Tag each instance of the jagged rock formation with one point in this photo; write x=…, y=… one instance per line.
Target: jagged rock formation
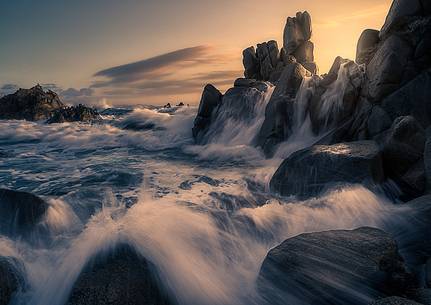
x=12, y=279
x=120, y=277
x=78, y=113
x=267, y=61
x=29, y=104
x=334, y=267
x=307, y=172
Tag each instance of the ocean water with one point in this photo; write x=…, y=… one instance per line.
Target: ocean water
x=202, y=214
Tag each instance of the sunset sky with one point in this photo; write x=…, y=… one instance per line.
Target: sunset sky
x=157, y=51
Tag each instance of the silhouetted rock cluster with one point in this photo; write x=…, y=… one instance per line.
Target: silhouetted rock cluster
x=79, y=113
x=35, y=105
x=29, y=104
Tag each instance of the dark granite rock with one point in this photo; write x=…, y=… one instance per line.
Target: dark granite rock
x=210, y=100
x=367, y=46
x=394, y=301
x=78, y=113
x=334, y=267
x=120, y=277
x=20, y=212
x=29, y=104
x=12, y=279
x=308, y=172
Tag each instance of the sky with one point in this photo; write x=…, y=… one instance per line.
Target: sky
x=111, y=52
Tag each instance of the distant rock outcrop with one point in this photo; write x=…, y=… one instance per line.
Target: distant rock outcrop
x=29, y=104
x=334, y=267
x=78, y=113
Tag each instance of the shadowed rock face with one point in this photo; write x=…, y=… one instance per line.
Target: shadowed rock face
x=394, y=301
x=20, y=212
x=78, y=113
x=335, y=267
x=121, y=277
x=367, y=46
x=11, y=279
x=308, y=172
x=29, y=104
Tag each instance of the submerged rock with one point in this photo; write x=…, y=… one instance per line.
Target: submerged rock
x=29, y=104
x=20, y=212
x=120, y=277
x=334, y=267
x=12, y=279
x=308, y=172
x=78, y=113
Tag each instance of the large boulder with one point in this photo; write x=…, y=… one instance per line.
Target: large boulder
x=251, y=63
x=395, y=301
x=29, y=104
x=308, y=172
x=20, y=212
x=367, y=46
x=403, y=153
x=412, y=99
x=401, y=13
x=120, y=277
x=264, y=63
x=334, y=267
x=210, y=100
x=78, y=113
x=386, y=69
x=12, y=279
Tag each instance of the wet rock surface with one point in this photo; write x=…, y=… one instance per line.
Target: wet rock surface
x=79, y=113
x=20, y=212
x=308, y=172
x=334, y=267
x=12, y=279
x=120, y=277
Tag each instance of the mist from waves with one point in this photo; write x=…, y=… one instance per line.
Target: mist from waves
x=204, y=253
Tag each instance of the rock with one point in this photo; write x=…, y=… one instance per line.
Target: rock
x=78, y=113
x=20, y=212
x=12, y=278
x=308, y=172
x=428, y=273
x=367, y=46
x=422, y=296
x=305, y=52
x=402, y=154
x=386, y=70
x=284, y=94
x=399, y=14
x=311, y=67
x=427, y=161
x=412, y=99
x=121, y=277
x=297, y=30
x=394, y=301
x=210, y=100
x=29, y=104
x=332, y=75
x=331, y=106
x=181, y=104
x=378, y=121
x=334, y=267
x=251, y=63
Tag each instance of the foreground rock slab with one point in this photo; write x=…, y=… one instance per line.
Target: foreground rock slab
x=334, y=267
x=308, y=172
x=394, y=301
x=122, y=277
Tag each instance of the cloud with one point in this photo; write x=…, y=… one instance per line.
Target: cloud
x=8, y=89
x=180, y=72
x=74, y=93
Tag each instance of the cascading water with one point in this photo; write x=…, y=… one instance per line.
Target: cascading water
x=206, y=226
